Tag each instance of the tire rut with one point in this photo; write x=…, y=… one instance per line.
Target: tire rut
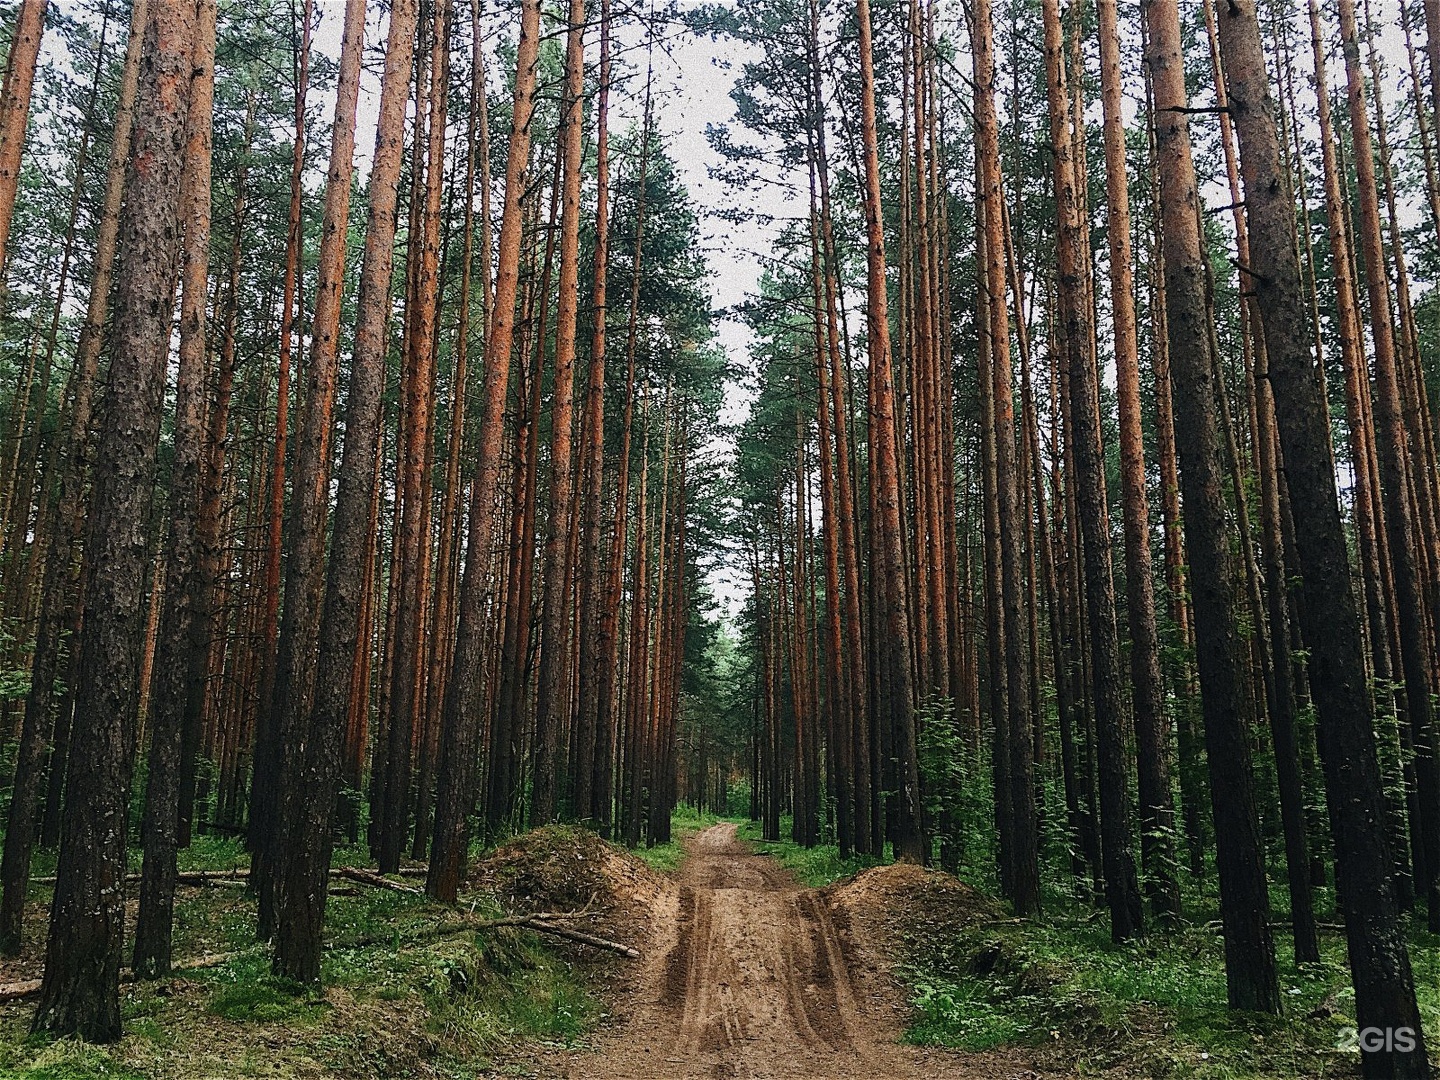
x=751, y=978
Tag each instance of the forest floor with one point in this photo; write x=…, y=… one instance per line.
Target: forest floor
x=783, y=963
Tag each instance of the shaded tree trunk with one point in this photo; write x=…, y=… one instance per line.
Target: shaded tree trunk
x=309, y=773
x=1384, y=987
x=80, y=993
x=183, y=651
x=59, y=599
x=1249, y=949
x=463, y=697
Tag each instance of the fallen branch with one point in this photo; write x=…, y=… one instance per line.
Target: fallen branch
x=545, y=922
x=15, y=991
x=367, y=877
x=241, y=874
x=584, y=938
x=185, y=877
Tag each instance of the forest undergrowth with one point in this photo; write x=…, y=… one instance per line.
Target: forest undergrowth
x=1088, y=1006
x=404, y=1000
x=400, y=999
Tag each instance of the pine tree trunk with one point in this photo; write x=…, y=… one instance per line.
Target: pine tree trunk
x=309, y=776
x=59, y=599
x=1384, y=987
x=267, y=751
x=1249, y=949
x=178, y=694
x=417, y=384
x=889, y=559
x=554, y=676
x=80, y=993
x=15, y=112
x=1151, y=724
x=1023, y=862
x=463, y=697
x=1396, y=483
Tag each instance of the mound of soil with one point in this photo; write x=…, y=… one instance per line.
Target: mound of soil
x=565, y=868
x=905, y=903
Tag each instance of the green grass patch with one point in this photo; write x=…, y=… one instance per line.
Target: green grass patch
x=486, y=991
x=68, y=1059
x=684, y=823
x=398, y=999
x=1160, y=1002
x=814, y=867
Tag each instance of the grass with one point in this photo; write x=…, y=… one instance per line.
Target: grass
x=814, y=867
x=685, y=822
x=398, y=1001
x=1159, y=1004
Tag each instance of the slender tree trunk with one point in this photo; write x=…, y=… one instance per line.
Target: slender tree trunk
x=178, y=695
x=1023, y=862
x=590, y=720
x=463, y=699
x=265, y=768
x=1249, y=949
x=1121, y=888
x=889, y=560
x=550, y=708
x=15, y=111
x=417, y=383
x=1151, y=725
x=1396, y=481
x=310, y=773
x=297, y=668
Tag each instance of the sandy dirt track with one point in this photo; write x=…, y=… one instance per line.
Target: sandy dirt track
x=749, y=975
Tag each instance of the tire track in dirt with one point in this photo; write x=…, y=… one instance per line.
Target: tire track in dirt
x=749, y=976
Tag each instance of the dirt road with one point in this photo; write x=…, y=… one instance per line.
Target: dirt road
x=748, y=975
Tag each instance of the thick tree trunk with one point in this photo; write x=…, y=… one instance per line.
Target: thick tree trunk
x=1384, y=987
x=80, y=993
x=59, y=602
x=179, y=691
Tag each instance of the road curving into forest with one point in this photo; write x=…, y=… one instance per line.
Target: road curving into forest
x=751, y=975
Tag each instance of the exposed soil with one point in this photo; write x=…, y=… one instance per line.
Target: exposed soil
x=747, y=974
